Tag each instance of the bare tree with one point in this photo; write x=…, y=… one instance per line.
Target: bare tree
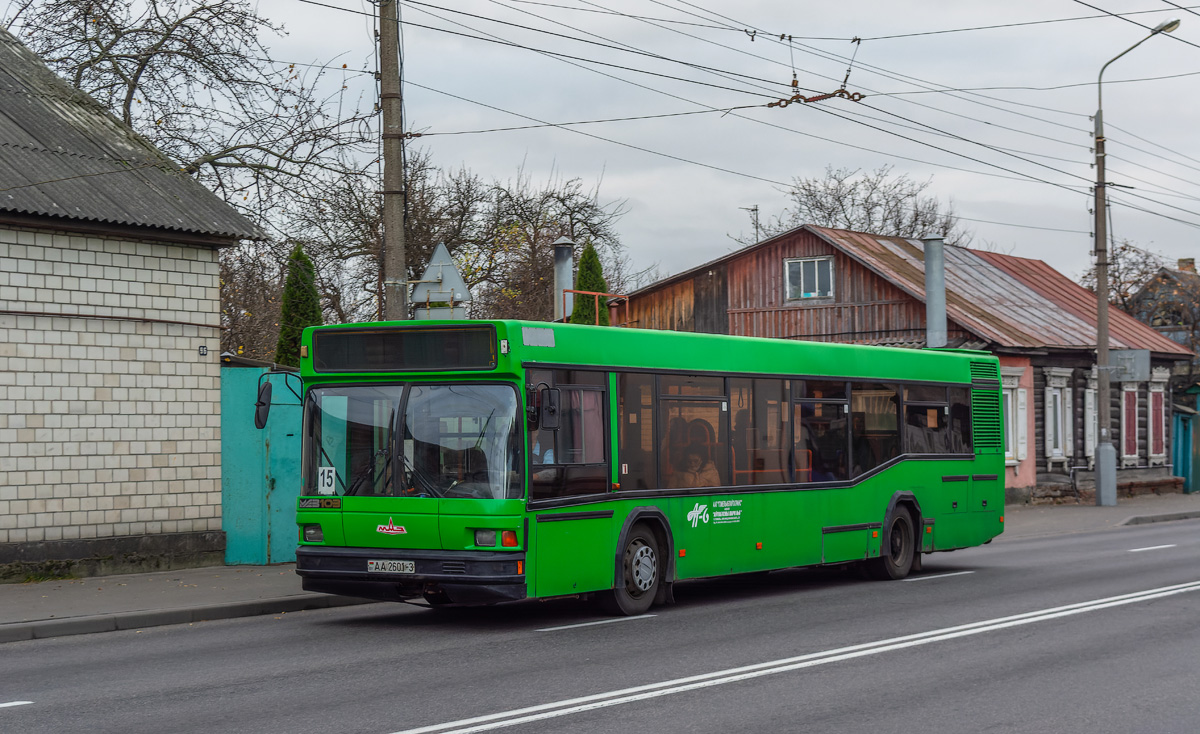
x=514, y=268
x=196, y=79
x=877, y=202
x=500, y=235
x=1129, y=268
x=251, y=293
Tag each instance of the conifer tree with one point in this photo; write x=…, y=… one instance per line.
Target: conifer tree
x=590, y=278
x=301, y=307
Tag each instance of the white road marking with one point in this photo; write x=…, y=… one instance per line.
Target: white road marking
x=592, y=624
x=1153, y=547
x=15, y=703
x=758, y=670
x=938, y=576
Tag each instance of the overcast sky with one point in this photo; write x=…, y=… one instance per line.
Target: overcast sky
x=1015, y=150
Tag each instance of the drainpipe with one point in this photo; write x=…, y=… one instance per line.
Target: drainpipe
x=935, y=292
x=564, y=255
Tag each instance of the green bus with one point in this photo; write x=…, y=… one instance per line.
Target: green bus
x=474, y=462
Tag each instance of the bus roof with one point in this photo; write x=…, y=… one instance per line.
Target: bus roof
x=528, y=343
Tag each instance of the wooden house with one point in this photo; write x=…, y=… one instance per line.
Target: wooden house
x=827, y=284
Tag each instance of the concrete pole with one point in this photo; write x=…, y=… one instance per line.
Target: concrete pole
x=935, y=292
x=1106, y=453
x=394, y=263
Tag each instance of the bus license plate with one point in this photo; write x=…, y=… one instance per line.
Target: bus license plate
x=391, y=567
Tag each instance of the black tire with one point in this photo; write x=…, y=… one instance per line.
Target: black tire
x=896, y=558
x=639, y=573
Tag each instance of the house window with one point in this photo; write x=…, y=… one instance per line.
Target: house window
x=1054, y=423
x=1015, y=419
x=1157, y=418
x=1129, y=424
x=1059, y=415
x=810, y=277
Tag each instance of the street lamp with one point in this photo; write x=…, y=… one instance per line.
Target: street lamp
x=1106, y=453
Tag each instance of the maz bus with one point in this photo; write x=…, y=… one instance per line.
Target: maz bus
x=486, y=461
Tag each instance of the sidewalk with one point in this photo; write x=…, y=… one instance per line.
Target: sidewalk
x=134, y=601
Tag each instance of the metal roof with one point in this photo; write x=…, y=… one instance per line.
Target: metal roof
x=63, y=155
x=1007, y=301
x=1013, y=301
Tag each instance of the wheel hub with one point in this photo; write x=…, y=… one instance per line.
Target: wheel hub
x=641, y=567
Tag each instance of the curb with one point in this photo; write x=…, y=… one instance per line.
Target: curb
x=44, y=628
x=1166, y=517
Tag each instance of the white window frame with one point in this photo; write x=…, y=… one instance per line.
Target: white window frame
x=1060, y=443
x=1015, y=416
x=1158, y=429
x=1129, y=394
x=787, y=281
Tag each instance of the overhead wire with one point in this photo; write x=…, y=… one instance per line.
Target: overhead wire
x=1019, y=175
x=762, y=122
x=1139, y=25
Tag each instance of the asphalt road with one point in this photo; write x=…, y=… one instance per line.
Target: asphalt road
x=1085, y=633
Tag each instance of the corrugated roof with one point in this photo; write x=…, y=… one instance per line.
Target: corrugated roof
x=1012, y=301
x=63, y=155
x=1008, y=301
x=1125, y=332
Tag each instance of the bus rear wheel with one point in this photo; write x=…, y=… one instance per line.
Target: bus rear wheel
x=639, y=572
x=895, y=560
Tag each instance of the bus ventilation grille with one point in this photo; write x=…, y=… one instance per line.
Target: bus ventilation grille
x=988, y=421
x=984, y=372
x=454, y=567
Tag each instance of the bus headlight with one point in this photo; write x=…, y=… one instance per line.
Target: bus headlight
x=313, y=534
x=485, y=538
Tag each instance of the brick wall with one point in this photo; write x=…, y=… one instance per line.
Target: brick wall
x=109, y=427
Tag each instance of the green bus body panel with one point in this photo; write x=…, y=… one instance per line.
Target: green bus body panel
x=712, y=534
x=416, y=516
x=574, y=556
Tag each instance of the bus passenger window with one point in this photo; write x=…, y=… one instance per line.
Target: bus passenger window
x=635, y=452
x=573, y=459
x=960, y=421
x=925, y=430
x=758, y=438
x=693, y=453
x=874, y=426
x=819, y=454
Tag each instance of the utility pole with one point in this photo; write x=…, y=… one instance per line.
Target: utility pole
x=394, y=265
x=1106, y=453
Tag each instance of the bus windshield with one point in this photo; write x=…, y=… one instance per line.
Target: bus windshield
x=455, y=440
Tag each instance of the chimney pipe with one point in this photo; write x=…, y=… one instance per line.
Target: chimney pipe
x=564, y=277
x=1187, y=264
x=935, y=292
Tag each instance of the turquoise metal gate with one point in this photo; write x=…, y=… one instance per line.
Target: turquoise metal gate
x=260, y=470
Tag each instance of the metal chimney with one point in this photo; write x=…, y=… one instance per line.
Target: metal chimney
x=935, y=292
x=564, y=277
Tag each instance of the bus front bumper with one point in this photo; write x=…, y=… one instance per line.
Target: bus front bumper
x=462, y=577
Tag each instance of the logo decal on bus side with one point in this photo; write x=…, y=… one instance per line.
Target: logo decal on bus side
x=391, y=529
x=320, y=503
x=698, y=513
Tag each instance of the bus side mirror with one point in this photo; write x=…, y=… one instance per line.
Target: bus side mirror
x=548, y=411
x=262, y=407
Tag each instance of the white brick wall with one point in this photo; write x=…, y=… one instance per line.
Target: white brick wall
x=108, y=427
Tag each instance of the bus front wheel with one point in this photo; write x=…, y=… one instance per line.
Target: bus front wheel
x=639, y=572
x=896, y=559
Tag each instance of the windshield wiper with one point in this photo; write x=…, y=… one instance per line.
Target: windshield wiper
x=368, y=470
x=427, y=485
